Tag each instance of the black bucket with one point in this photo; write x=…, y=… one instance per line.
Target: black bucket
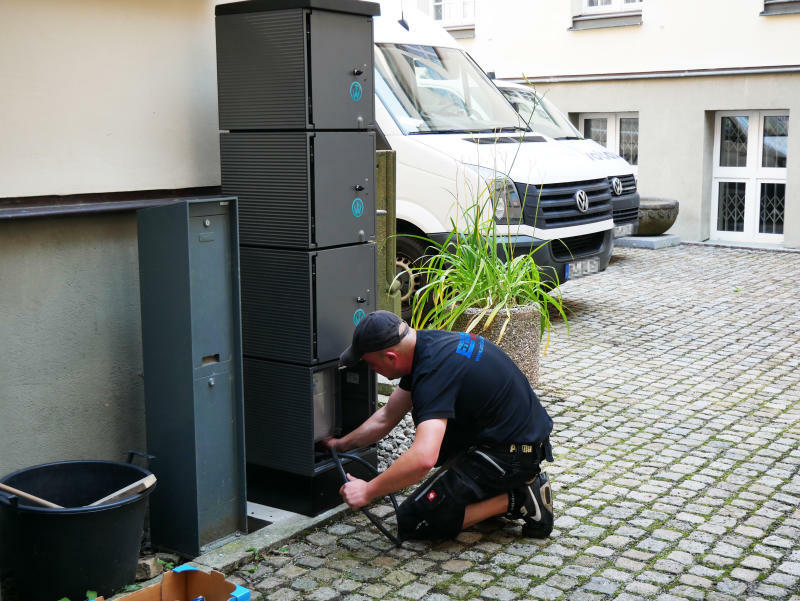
x=55, y=553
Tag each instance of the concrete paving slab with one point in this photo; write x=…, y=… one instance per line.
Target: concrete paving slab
x=651, y=242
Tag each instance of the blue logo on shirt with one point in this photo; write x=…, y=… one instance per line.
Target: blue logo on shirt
x=467, y=344
x=356, y=91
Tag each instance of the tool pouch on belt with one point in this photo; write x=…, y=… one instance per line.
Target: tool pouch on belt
x=436, y=508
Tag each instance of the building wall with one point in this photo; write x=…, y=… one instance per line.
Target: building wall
x=98, y=97
x=107, y=96
x=642, y=68
x=676, y=134
x=516, y=37
x=70, y=382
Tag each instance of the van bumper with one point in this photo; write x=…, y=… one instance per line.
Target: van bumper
x=561, y=259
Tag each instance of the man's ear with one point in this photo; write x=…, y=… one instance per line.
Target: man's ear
x=393, y=356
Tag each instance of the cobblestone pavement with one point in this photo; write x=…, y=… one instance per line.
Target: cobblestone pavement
x=676, y=402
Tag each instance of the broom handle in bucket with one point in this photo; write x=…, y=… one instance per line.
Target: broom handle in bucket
x=127, y=491
x=28, y=496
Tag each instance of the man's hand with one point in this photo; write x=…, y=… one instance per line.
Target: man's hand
x=332, y=443
x=355, y=492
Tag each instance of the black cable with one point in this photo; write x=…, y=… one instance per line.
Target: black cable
x=371, y=468
x=397, y=542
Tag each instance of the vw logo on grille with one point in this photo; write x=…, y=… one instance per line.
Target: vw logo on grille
x=616, y=184
x=582, y=200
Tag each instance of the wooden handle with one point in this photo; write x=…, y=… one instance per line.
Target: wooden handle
x=127, y=491
x=29, y=496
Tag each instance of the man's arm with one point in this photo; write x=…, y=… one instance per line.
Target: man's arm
x=411, y=467
x=378, y=425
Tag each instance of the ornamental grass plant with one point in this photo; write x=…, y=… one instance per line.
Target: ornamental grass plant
x=476, y=268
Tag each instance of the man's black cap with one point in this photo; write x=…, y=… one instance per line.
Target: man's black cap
x=377, y=331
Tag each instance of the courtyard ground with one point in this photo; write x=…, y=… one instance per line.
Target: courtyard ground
x=676, y=401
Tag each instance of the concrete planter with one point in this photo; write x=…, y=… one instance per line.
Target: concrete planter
x=656, y=215
x=520, y=341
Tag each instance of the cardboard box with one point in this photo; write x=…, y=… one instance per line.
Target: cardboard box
x=186, y=582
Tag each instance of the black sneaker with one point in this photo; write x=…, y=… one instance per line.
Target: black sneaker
x=536, y=507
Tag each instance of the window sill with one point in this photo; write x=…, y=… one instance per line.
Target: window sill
x=603, y=20
x=461, y=32
x=782, y=7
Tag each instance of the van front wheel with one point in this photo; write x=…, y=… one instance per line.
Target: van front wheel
x=409, y=254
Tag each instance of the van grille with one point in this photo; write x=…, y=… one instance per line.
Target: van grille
x=577, y=246
x=554, y=205
x=626, y=215
x=628, y=183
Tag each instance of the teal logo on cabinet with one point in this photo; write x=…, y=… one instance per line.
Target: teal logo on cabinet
x=356, y=91
x=357, y=207
x=358, y=316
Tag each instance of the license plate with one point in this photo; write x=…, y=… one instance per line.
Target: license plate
x=623, y=230
x=581, y=268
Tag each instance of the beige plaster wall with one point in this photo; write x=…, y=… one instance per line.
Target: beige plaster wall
x=105, y=96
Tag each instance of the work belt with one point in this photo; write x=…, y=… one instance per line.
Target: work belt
x=539, y=449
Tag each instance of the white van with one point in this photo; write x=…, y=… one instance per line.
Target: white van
x=544, y=118
x=455, y=133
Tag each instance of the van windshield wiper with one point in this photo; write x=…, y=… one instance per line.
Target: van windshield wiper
x=471, y=131
x=570, y=138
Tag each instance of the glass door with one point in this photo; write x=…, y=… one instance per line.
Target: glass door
x=748, y=196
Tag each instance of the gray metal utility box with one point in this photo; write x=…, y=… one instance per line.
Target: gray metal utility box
x=192, y=351
x=295, y=64
x=301, y=189
x=302, y=307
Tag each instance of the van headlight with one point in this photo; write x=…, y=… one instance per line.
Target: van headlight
x=504, y=197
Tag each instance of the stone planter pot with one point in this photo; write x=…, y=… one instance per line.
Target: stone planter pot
x=656, y=215
x=520, y=341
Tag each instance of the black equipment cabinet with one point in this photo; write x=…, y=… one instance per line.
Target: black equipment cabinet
x=297, y=145
x=282, y=431
x=302, y=307
x=301, y=189
x=298, y=65
x=284, y=469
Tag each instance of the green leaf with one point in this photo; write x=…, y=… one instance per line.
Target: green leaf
x=91, y=595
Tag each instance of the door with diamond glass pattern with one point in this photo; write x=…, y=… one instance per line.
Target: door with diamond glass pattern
x=748, y=195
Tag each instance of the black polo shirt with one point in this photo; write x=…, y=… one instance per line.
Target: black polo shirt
x=481, y=392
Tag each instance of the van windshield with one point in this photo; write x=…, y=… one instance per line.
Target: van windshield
x=541, y=115
x=439, y=90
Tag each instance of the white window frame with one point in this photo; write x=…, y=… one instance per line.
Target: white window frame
x=614, y=6
x=613, y=130
x=752, y=174
x=453, y=12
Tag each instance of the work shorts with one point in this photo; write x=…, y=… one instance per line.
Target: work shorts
x=436, y=508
